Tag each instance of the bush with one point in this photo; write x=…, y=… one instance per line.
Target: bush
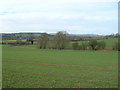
x=43, y=40
x=83, y=46
x=75, y=46
x=101, y=45
x=19, y=42
x=97, y=45
x=93, y=44
x=51, y=45
x=116, y=46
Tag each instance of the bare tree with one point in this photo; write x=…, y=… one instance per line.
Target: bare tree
x=60, y=40
x=43, y=41
x=31, y=38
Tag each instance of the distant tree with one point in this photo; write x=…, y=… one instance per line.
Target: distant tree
x=60, y=40
x=75, y=46
x=97, y=45
x=31, y=39
x=93, y=44
x=42, y=42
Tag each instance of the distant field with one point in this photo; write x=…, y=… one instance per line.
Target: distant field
x=12, y=40
x=29, y=67
x=109, y=42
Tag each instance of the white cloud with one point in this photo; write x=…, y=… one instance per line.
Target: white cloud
x=47, y=15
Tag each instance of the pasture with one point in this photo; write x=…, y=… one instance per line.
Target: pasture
x=109, y=42
x=29, y=67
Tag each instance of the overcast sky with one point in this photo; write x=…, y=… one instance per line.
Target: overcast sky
x=73, y=16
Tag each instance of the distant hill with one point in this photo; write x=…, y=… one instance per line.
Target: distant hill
x=24, y=35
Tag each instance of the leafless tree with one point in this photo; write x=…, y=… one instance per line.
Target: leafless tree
x=42, y=42
x=60, y=40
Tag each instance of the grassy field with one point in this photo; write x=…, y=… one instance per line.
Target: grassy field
x=12, y=40
x=29, y=67
x=109, y=42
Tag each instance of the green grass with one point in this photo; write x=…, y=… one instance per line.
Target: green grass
x=12, y=40
x=109, y=42
x=28, y=67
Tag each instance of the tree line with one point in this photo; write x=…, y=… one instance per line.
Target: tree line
x=91, y=45
x=61, y=41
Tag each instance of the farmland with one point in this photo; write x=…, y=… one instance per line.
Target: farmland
x=109, y=42
x=47, y=44
x=29, y=67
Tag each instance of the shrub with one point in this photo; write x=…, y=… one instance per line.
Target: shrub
x=97, y=45
x=93, y=44
x=18, y=41
x=83, y=46
x=116, y=46
x=101, y=45
x=43, y=40
x=75, y=46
